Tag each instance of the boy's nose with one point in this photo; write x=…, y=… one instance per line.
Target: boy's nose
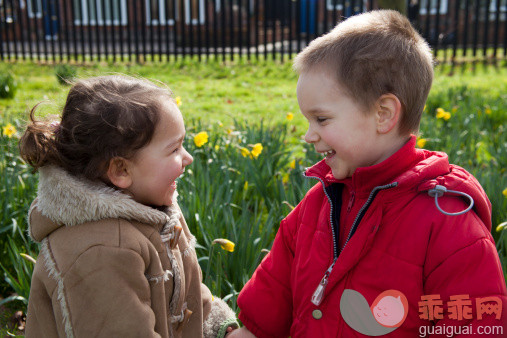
x=311, y=136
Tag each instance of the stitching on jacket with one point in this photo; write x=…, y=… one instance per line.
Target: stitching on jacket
x=55, y=274
x=466, y=247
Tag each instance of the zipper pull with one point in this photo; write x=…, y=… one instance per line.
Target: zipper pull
x=318, y=294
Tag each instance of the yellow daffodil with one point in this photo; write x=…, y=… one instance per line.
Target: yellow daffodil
x=9, y=130
x=257, y=150
x=501, y=226
x=229, y=131
x=292, y=164
x=285, y=178
x=442, y=114
x=245, y=186
x=217, y=147
x=454, y=109
x=201, y=139
x=225, y=244
x=290, y=116
x=178, y=101
x=487, y=111
x=504, y=192
x=421, y=142
x=245, y=152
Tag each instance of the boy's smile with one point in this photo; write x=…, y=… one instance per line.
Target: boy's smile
x=339, y=128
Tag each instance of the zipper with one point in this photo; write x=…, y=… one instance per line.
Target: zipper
x=363, y=209
x=318, y=294
x=335, y=246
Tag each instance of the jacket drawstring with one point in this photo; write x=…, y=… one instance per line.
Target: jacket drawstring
x=440, y=190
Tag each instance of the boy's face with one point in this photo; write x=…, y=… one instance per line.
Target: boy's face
x=155, y=167
x=339, y=128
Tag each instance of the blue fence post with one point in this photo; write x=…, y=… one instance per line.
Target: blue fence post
x=50, y=19
x=308, y=11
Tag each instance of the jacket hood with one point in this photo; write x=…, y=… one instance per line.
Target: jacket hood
x=64, y=199
x=416, y=169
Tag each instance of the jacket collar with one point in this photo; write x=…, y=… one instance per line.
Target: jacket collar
x=365, y=179
x=64, y=199
x=417, y=170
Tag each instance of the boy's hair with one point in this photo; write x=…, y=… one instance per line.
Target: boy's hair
x=103, y=117
x=372, y=54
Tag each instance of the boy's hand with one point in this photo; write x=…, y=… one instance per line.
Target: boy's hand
x=239, y=333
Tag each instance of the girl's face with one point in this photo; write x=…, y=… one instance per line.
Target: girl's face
x=155, y=167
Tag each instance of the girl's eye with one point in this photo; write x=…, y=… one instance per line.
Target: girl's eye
x=176, y=150
x=321, y=119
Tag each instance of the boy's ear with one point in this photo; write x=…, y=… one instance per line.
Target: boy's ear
x=118, y=173
x=388, y=113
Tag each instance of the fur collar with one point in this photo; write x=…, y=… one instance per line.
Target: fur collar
x=71, y=200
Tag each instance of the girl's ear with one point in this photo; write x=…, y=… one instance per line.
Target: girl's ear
x=118, y=173
x=388, y=113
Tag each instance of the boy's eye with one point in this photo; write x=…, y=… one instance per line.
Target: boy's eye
x=321, y=119
x=176, y=150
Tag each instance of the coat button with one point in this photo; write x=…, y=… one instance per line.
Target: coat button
x=317, y=314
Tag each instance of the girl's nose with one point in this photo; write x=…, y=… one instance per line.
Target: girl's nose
x=187, y=158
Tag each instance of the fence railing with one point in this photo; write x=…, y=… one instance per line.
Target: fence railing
x=158, y=30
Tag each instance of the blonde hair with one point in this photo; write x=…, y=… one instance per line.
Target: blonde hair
x=372, y=54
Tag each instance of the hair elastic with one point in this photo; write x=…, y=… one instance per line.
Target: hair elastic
x=55, y=126
x=440, y=190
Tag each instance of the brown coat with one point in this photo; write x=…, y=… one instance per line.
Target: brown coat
x=111, y=267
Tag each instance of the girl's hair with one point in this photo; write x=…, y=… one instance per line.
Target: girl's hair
x=103, y=117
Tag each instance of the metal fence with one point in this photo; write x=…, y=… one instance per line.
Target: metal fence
x=159, y=30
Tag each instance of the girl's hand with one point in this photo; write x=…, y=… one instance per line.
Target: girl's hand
x=239, y=333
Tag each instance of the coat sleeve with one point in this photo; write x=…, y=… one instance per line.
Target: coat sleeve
x=266, y=299
x=107, y=295
x=464, y=270
x=220, y=317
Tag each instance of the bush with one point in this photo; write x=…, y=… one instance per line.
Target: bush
x=8, y=86
x=65, y=74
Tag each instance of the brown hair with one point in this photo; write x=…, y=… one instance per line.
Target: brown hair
x=372, y=54
x=103, y=117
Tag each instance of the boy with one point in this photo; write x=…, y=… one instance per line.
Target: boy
x=371, y=223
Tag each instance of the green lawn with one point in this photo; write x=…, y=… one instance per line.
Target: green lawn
x=216, y=92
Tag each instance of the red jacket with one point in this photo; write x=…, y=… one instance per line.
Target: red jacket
x=400, y=241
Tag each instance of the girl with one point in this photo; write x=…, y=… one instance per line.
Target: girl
x=117, y=258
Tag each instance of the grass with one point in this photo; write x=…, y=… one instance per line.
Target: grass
x=210, y=91
x=240, y=105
